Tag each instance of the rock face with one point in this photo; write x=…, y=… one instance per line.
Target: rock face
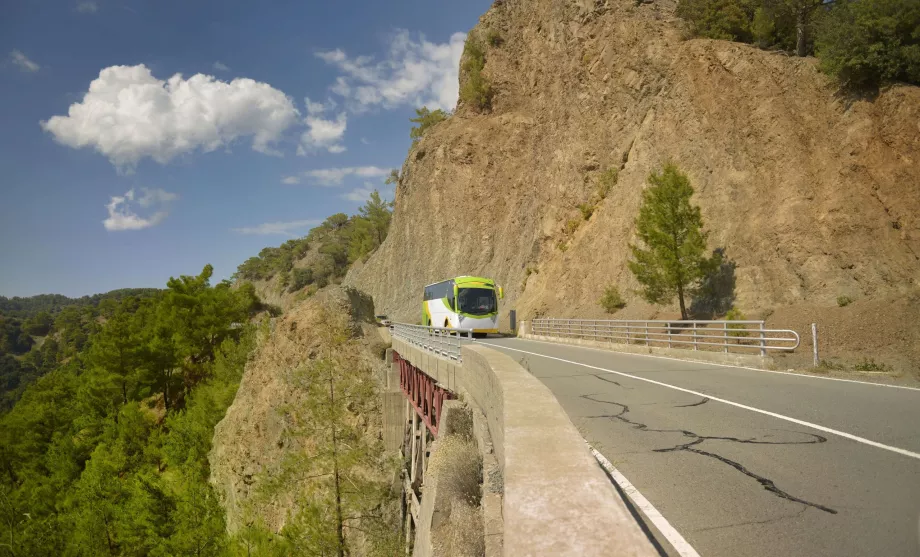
x=812, y=193
x=255, y=436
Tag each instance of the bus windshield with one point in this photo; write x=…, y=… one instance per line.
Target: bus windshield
x=476, y=301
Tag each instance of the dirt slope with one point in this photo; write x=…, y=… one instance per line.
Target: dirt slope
x=813, y=194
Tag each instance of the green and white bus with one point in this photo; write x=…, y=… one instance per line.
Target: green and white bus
x=462, y=303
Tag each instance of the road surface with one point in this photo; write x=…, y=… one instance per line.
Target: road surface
x=743, y=462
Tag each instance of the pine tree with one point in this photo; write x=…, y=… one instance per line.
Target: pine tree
x=671, y=258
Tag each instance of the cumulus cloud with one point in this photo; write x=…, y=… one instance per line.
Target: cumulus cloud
x=277, y=228
x=331, y=177
x=128, y=115
x=290, y=180
x=322, y=134
x=221, y=67
x=88, y=7
x=122, y=215
x=360, y=195
x=23, y=62
x=414, y=72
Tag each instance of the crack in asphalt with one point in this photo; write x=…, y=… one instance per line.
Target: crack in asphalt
x=606, y=380
x=754, y=522
x=767, y=483
x=700, y=403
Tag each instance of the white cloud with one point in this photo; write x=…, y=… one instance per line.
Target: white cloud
x=277, y=228
x=23, y=62
x=88, y=7
x=290, y=180
x=415, y=73
x=122, y=216
x=322, y=133
x=220, y=66
x=365, y=141
x=335, y=176
x=128, y=114
x=360, y=195
x=317, y=108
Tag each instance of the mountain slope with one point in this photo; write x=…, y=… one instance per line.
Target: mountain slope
x=813, y=194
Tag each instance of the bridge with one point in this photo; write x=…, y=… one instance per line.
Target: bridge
x=655, y=438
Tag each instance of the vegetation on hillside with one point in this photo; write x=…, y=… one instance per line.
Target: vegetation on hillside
x=107, y=453
x=475, y=90
x=425, y=119
x=338, y=242
x=39, y=333
x=670, y=259
x=861, y=42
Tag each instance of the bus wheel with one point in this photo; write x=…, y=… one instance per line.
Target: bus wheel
x=480, y=335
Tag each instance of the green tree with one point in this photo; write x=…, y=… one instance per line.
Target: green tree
x=425, y=119
x=867, y=42
x=718, y=19
x=670, y=259
x=475, y=89
x=39, y=325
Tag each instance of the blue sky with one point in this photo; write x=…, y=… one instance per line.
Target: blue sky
x=142, y=140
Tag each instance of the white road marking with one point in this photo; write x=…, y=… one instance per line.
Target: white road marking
x=807, y=376
x=836, y=432
x=683, y=548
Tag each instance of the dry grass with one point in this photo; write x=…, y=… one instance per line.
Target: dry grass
x=457, y=465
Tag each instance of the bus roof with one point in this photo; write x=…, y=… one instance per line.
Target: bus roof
x=467, y=279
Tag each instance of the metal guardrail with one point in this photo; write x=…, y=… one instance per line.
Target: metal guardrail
x=437, y=340
x=727, y=336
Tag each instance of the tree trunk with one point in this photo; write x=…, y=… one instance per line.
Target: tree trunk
x=339, y=530
x=801, y=32
x=680, y=298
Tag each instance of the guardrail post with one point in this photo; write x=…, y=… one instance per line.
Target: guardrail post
x=627, y=333
x=695, y=346
x=669, y=335
x=724, y=337
x=763, y=342
x=814, y=343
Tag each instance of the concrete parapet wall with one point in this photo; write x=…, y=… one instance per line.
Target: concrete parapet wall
x=748, y=360
x=556, y=498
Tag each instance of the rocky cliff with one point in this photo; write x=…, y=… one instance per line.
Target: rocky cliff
x=814, y=194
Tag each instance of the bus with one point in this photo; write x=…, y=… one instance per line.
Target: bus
x=463, y=303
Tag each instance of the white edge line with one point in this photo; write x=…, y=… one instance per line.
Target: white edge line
x=808, y=376
x=838, y=433
x=682, y=546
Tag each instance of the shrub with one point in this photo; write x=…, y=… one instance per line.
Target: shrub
x=571, y=226
x=870, y=365
x=476, y=90
x=563, y=247
x=868, y=42
x=586, y=210
x=300, y=278
x=736, y=330
x=606, y=181
x=494, y=38
x=612, y=301
x=843, y=301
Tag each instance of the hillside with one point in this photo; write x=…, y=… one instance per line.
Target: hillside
x=813, y=194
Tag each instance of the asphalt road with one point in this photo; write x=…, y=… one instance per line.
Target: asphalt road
x=734, y=469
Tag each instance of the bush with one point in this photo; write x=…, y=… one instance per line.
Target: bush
x=606, y=181
x=476, y=90
x=494, y=38
x=571, y=226
x=612, y=301
x=843, y=301
x=870, y=365
x=300, y=278
x=736, y=330
x=868, y=42
x=586, y=210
